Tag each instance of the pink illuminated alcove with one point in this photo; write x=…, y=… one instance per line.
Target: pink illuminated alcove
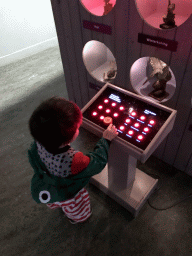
x=98, y=7
x=152, y=11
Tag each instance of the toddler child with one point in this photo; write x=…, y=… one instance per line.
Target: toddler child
x=62, y=172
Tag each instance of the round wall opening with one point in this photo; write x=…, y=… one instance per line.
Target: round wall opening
x=98, y=7
x=99, y=61
x=152, y=78
x=164, y=14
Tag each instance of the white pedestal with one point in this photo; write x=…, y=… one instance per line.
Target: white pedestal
x=131, y=198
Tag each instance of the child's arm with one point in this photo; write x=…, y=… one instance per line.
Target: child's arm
x=95, y=161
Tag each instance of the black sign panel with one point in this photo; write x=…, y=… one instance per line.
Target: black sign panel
x=158, y=42
x=105, y=29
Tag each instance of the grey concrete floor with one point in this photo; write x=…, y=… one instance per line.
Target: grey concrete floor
x=28, y=228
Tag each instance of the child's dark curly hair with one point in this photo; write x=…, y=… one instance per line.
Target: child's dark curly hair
x=55, y=122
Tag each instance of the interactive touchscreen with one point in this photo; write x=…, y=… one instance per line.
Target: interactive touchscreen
x=136, y=121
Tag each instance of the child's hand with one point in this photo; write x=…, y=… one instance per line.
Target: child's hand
x=110, y=133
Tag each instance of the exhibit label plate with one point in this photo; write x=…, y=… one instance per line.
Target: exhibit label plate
x=105, y=29
x=158, y=42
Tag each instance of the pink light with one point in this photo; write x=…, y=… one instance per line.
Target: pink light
x=133, y=113
x=106, y=101
x=146, y=129
x=94, y=113
x=142, y=117
x=98, y=7
x=100, y=107
x=122, y=127
x=128, y=120
x=121, y=108
x=152, y=11
x=115, y=115
x=130, y=132
x=113, y=104
x=140, y=137
x=108, y=111
x=136, y=125
x=152, y=122
x=101, y=117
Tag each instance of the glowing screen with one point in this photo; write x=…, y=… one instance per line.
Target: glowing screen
x=136, y=121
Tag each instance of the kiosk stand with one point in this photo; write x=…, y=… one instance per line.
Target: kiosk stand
x=142, y=125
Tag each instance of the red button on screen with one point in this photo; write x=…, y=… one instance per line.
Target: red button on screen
x=146, y=129
x=140, y=137
x=108, y=120
x=94, y=113
x=128, y=120
x=130, y=132
x=133, y=113
x=152, y=122
x=142, y=117
x=136, y=124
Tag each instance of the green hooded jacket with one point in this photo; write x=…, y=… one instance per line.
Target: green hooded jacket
x=47, y=188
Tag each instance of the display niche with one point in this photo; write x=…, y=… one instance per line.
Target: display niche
x=164, y=14
x=152, y=78
x=98, y=7
x=99, y=61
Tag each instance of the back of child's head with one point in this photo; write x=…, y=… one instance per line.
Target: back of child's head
x=54, y=122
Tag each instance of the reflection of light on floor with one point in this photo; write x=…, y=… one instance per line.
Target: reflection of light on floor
x=142, y=185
